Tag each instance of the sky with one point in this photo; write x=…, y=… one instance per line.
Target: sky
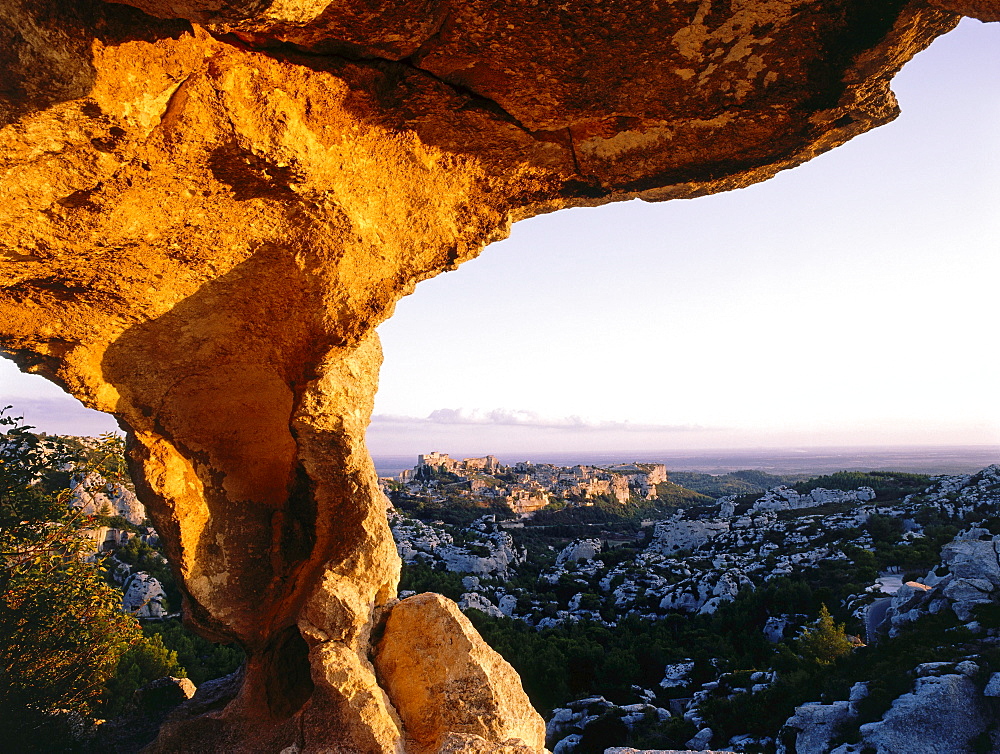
x=851, y=301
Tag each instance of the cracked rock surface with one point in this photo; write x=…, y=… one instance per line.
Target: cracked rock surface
x=207, y=206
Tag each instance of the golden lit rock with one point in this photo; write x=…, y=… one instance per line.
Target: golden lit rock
x=444, y=679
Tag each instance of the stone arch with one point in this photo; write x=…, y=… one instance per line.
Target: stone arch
x=209, y=205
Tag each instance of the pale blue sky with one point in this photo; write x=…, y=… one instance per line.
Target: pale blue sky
x=850, y=301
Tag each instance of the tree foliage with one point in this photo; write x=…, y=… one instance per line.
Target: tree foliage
x=888, y=485
x=67, y=651
x=146, y=660
x=201, y=659
x=825, y=641
x=61, y=627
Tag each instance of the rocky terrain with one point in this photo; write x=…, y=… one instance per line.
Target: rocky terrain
x=910, y=563
x=694, y=561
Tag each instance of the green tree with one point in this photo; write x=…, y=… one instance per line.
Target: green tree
x=825, y=641
x=145, y=661
x=61, y=627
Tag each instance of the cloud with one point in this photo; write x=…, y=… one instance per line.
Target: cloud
x=502, y=417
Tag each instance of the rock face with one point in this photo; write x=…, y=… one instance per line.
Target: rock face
x=417, y=542
x=812, y=727
x=580, y=549
x=207, y=206
x=971, y=562
x=672, y=536
x=568, y=724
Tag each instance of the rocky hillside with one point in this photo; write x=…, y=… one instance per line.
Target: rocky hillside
x=698, y=632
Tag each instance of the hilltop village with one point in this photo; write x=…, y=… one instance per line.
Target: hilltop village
x=526, y=487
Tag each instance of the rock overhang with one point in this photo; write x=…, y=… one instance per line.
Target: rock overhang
x=610, y=99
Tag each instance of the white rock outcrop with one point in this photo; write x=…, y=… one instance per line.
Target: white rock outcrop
x=489, y=550
x=566, y=726
x=476, y=601
x=580, y=549
x=93, y=494
x=784, y=498
x=670, y=537
x=144, y=597
x=813, y=726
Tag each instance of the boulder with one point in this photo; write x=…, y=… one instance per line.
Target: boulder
x=627, y=750
x=813, y=726
x=568, y=745
x=580, y=549
x=476, y=601
x=677, y=675
x=700, y=739
x=507, y=604
x=784, y=498
x=969, y=558
x=993, y=686
x=670, y=537
x=942, y=714
x=144, y=596
x=92, y=494
x=468, y=743
x=443, y=679
x=774, y=628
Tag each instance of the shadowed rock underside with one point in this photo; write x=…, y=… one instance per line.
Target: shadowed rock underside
x=209, y=205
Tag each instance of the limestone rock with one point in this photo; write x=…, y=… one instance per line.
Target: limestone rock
x=813, y=726
x=677, y=675
x=984, y=10
x=476, y=601
x=905, y=726
x=704, y=593
x=494, y=553
x=467, y=743
x=580, y=549
x=700, y=739
x=783, y=498
x=969, y=557
x=92, y=494
x=670, y=537
x=442, y=679
x=974, y=564
x=993, y=686
x=628, y=750
x=144, y=596
x=507, y=604
x=568, y=725
x=774, y=629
